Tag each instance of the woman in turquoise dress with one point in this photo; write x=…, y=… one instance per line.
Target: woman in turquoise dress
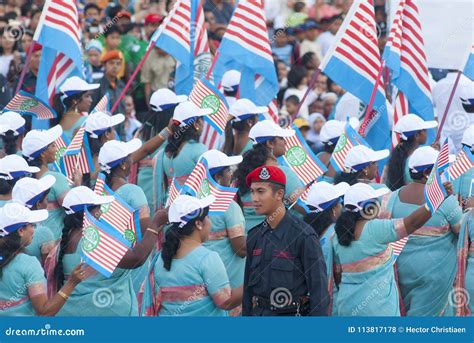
x=12, y=131
x=363, y=257
x=22, y=281
x=413, y=134
x=33, y=194
x=74, y=99
x=464, y=185
x=98, y=295
x=181, y=153
x=39, y=149
x=186, y=278
x=427, y=264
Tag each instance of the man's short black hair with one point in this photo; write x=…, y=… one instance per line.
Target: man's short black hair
x=276, y=187
x=91, y=5
x=293, y=99
x=110, y=30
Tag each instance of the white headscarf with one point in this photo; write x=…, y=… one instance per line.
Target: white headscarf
x=313, y=136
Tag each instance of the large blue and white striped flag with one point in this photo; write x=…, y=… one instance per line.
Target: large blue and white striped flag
x=469, y=66
x=59, y=33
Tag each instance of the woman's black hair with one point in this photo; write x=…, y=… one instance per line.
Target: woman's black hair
x=345, y=227
x=15, y=45
x=295, y=76
x=179, y=136
x=10, y=246
x=36, y=162
x=419, y=176
x=350, y=178
x=6, y=186
x=220, y=173
x=62, y=106
x=95, y=144
x=320, y=221
x=397, y=162
x=254, y=158
x=108, y=176
x=240, y=126
x=10, y=142
x=174, y=235
x=329, y=148
x=154, y=122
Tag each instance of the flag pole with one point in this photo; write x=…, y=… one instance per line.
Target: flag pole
x=448, y=105
x=310, y=87
x=132, y=77
x=371, y=102
x=26, y=67
x=216, y=56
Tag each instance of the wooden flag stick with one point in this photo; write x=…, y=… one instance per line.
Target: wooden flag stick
x=310, y=87
x=26, y=66
x=371, y=102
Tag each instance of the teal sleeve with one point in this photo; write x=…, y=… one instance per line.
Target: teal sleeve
x=198, y=150
x=33, y=272
x=381, y=230
x=451, y=210
x=60, y=186
x=234, y=216
x=135, y=196
x=214, y=273
x=293, y=183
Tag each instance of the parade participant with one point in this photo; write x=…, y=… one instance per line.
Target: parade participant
x=284, y=257
x=412, y=131
x=73, y=99
x=361, y=165
x=268, y=145
x=179, y=157
x=227, y=234
x=12, y=131
x=187, y=279
x=464, y=185
x=465, y=269
x=39, y=149
x=12, y=169
x=230, y=84
x=362, y=254
x=155, y=123
x=245, y=114
x=426, y=284
x=83, y=301
x=33, y=193
x=23, y=285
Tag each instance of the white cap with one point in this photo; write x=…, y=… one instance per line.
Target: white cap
x=185, y=208
x=36, y=141
x=333, y=129
x=422, y=158
x=75, y=85
x=360, y=156
x=231, y=80
x=78, y=198
x=267, y=129
x=14, y=215
x=217, y=159
x=29, y=191
x=322, y=195
x=468, y=136
x=361, y=192
x=14, y=166
x=411, y=123
x=114, y=152
x=187, y=111
x=99, y=122
x=11, y=121
x=244, y=108
x=165, y=98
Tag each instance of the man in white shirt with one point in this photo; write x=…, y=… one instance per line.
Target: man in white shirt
x=326, y=39
x=310, y=44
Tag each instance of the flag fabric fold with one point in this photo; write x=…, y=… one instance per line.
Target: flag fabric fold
x=78, y=155
x=349, y=139
x=25, y=103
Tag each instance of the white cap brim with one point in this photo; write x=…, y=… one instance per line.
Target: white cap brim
x=47, y=182
x=54, y=133
x=117, y=119
x=340, y=189
x=133, y=145
x=90, y=87
x=430, y=124
x=381, y=192
x=380, y=155
x=100, y=200
x=204, y=112
x=36, y=216
x=232, y=160
x=261, y=109
x=181, y=98
x=207, y=201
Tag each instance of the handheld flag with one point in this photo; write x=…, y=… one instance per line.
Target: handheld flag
x=194, y=181
x=349, y=139
x=102, y=245
x=173, y=192
x=118, y=213
x=224, y=195
x=443, y=157
x=205, y=95
x=27, y=104
x=398, y=246
x=300, y=158
x=78, y=155
x=103, y=105
x=434, y=189
x=469, y=66
x=463, y=163
x=61, y=143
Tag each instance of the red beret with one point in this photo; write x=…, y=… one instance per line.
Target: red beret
x=153, y=18
x=37, y=47
x=266, y=174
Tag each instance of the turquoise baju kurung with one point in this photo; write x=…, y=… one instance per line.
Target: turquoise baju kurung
x=69, y=133
x=56, y=214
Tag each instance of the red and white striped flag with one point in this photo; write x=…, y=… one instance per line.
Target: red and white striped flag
x=400, y=110
x=103, y=105
x=78, y=155
x=173, y=192
x=27, y=104
x=210, y=137
x=434, y=189
x=398, y=246
x=224, y=195
x=273, y=111
x=61, y=144
x=443, y=157
x=195, y=179
x=464, y=162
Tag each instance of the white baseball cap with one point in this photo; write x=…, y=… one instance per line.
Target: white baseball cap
x=267, y=129
x=422, y=158
x=231, y=80
x=29, y=191
x=359, y=193
x=468, y=136
x=333, y=129
x=323, y=195
x=244, y=108
x=186, y=112
x=75, y=85
x=99, y=122
x=114, y=152
x=79, y=198
x=14, y=166
x=165, y=98
x=14, y=216
x=217, y=160
x=36, y=141
x=12, y=121
x=185, y=208
x=360, y=156
x=409, y=124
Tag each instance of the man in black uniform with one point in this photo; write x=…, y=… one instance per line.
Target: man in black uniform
x=285, y=272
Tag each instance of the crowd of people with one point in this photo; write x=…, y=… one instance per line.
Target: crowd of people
x=267, y=254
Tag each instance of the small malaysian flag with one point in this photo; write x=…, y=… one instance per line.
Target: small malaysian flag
x=349, y=139
x=27, y=104
x=398, y=246
x=434, y=189
x=173, y=193
x=443, y=157
x=302, y=200
x=103, y=247
x=61, y=143
x=118, y=213
x=224, y=195
x=206, y=95
x=299, y=157
x=78, y=155
x=273, y=111
x=103, y=105
x=194, y=181
x=464, y=162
